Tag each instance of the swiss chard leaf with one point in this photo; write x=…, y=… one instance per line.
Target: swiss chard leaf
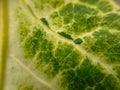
x=64, y=45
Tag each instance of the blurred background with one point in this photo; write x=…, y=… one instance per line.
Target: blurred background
x=118, y=1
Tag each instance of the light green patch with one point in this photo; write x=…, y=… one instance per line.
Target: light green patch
x=88, y=41
x=87, y=74
x=105, y=6
x=53, y=64
x=92, y=2
x=109, y=83
x=40, y=4
x=76, y=19
x=111, y=21
x=24, y=23
x=34, y=43
x=42, y=7
x=104, y=44
x=26, y=88
x=102, y=5
x=57, y=19
x=117, y=69
x=67, y=46
x=66, y=10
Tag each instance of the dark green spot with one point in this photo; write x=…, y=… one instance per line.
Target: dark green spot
x=44, y=21
x=65, y=35
x=78, y=41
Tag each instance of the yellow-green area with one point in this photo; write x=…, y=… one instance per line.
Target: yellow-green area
x=3, y=39
x=75, y=45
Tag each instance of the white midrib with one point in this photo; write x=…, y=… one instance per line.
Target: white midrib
x=84, y=52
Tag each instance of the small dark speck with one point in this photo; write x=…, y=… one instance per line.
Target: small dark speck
x=45, y=21
x=78, y=41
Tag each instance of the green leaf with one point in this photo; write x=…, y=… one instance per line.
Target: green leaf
x=63, y=45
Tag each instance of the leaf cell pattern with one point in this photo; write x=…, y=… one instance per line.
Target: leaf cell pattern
x=69, y=44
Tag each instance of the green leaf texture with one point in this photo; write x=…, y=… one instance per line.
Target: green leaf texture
x=63, y=45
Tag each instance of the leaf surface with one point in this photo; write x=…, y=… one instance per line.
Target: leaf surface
x=64, y=45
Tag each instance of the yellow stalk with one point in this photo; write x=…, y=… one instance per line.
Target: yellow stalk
x=3, y=39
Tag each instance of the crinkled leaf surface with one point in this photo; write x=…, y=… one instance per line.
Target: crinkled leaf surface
x=63, y=45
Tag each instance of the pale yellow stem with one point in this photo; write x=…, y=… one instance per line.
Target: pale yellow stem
x=3, y=39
